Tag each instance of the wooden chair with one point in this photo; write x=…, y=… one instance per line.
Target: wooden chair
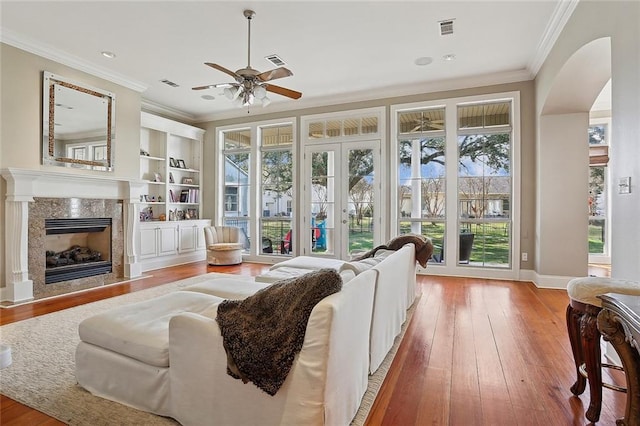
x=582, y=312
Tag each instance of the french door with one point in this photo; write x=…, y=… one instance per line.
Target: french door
x=341, y=198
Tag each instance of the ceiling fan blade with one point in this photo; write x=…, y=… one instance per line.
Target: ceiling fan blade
x=274, y=74
x=283, y=91
x=224, y=70
x=214, y=86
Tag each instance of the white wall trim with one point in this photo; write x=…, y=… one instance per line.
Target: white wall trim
x=559, y=18
x=19, y=41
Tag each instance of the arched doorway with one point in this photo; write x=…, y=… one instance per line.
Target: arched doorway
x=563, y=161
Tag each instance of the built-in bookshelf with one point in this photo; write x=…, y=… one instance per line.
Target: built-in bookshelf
x=170, y=165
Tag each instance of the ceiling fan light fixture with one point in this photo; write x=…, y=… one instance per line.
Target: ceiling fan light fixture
x=251, y=84
x=259, y=91
x=230, y=92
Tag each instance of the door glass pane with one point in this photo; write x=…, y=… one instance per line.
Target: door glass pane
x=360, y=199
x=323, y=201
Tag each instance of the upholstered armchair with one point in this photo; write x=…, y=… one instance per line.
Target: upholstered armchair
x=224, y=245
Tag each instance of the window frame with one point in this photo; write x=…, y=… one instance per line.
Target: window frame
x=451, y=176
x=254, y=187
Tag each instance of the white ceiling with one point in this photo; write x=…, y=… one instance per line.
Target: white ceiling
x=338, y=51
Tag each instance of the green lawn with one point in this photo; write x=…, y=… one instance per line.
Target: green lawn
x=490, y=245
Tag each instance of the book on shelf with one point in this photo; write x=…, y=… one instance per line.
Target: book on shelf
x=190, y=196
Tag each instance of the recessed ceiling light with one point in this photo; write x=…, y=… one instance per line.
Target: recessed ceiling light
x=449, y=57
x=208, y=97
x=108, y=54
x=425, y=60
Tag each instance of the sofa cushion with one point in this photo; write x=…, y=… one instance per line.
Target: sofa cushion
x=359, y=266
x=227, y=288
x=141, y=330
x=224, y=246
x=310, y=262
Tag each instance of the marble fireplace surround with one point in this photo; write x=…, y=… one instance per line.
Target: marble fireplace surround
x=25, y=187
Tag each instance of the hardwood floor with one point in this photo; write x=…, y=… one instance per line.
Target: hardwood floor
x=477, y=352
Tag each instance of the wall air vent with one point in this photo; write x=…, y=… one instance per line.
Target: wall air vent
x=275, y=60
x=446, y=27
x=169, y=83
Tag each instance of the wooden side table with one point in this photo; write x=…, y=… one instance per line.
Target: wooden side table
x=619, y=323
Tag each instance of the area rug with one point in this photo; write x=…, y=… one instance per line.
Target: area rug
x=42, y=373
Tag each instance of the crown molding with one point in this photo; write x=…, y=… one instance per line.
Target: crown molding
x=561, y=14
x=410, y=89
x=167, y=111
x=49, y=52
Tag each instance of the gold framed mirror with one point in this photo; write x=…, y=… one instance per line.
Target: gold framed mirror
x=78, y=128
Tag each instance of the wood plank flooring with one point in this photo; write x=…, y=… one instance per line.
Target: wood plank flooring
x=477, y=352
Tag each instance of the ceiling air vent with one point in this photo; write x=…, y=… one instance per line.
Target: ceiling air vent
x=446, y=27
x=275, y=60
x=169, y=83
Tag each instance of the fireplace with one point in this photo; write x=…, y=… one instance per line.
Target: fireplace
x=77, y=248
x=32, y=197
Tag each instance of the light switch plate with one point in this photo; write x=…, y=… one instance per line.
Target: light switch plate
x=624, y=185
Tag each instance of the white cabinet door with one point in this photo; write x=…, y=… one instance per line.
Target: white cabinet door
x=148, y=243
x=187, y=238
x=167, y=240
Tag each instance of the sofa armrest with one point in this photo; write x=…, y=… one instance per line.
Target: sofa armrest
x=201, y=390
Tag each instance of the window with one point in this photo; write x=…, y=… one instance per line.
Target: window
x=484, y=181
x=455, y=180
x=237, y=155
x=257, y=195
x=421, y=173
x=231, y=199
x=597, y=198
x=276, y=188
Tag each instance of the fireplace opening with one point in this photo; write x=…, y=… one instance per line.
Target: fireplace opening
x=77, y=248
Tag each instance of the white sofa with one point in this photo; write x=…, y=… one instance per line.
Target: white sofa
x=165, y=355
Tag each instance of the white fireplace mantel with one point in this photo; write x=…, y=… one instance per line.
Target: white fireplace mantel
x=24, y=185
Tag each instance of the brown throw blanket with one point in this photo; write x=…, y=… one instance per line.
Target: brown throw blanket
x=423, y=245
x=262, y=333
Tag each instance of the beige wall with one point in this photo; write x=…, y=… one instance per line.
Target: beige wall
x=527, y=112
x=21, y=120
x=591, y=21
x=562, y=177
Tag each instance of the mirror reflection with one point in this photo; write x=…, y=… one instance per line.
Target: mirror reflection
x=78, y=127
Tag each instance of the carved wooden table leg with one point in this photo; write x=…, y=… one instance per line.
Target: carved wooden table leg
x=590, y=337
x=573, y=327
x=613, y=331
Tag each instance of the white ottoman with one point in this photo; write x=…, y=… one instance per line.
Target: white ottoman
x=123, y=354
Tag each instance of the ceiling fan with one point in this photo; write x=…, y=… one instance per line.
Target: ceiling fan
x=251, y=84
x=426, y=123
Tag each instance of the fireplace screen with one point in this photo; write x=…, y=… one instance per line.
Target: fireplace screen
x=77, y=248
